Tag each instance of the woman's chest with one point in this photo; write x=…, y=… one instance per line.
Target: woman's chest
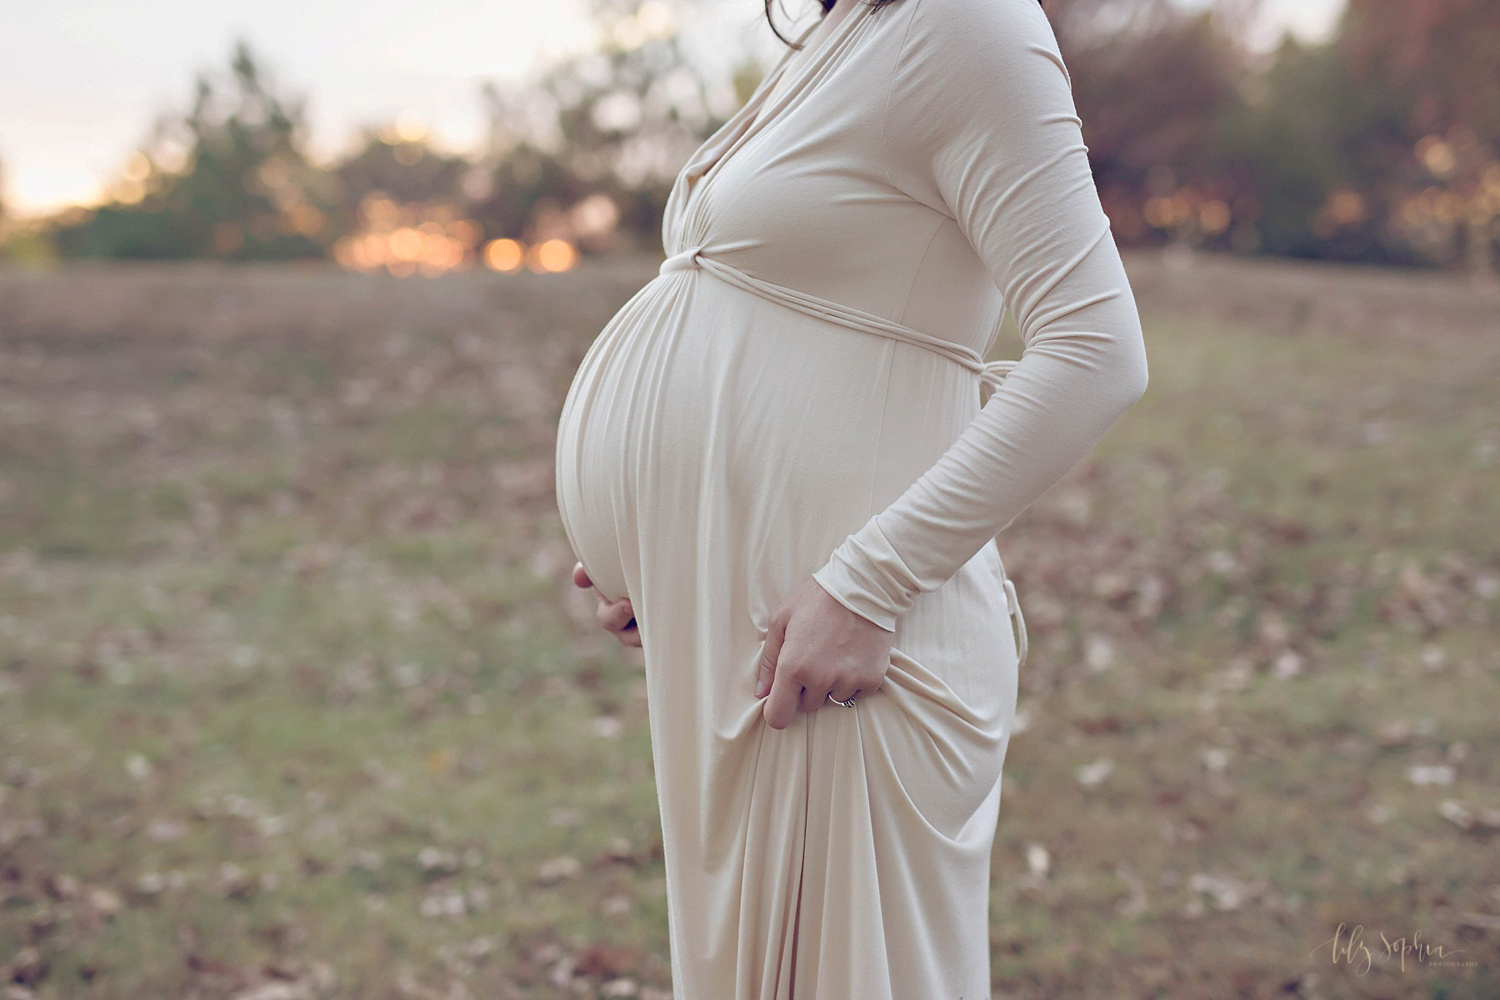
x=807, y=204
x=798, y=194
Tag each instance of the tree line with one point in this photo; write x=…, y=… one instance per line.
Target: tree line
x=1381, y=144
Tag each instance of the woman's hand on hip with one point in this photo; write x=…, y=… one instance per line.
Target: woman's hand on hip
x=816, y=647
x=616, y=617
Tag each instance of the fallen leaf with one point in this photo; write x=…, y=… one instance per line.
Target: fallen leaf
x=1093, y=774
x=557, y=870
x=1430, y=774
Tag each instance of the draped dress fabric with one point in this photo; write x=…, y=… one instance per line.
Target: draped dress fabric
x=798, y=393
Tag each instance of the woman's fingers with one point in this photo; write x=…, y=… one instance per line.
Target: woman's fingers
x=780, y=706
x=614, y=615
x=820, y=649
x=617, y=617
x=780, y=688
x=630, y=635
x=768, y=654
x=813, y=699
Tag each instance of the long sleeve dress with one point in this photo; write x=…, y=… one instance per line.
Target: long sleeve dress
x=798, y=393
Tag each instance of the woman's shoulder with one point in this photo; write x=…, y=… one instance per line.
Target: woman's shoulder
x=982, y=32
x=976, y=14
x=953, y=46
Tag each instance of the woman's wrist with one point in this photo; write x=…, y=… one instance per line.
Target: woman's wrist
x=852, y=590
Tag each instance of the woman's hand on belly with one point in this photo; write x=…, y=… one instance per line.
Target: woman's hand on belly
x=816, y=647
x=617, y=617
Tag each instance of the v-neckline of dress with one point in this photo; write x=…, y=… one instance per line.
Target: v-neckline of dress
x=755, y=115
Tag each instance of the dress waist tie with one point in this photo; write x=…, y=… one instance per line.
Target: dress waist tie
x=990, y=373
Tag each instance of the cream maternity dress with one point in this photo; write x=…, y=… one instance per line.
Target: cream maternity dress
x=798, y=393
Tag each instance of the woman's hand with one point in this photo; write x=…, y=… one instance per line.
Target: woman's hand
x=617, y=617
x=816, y=647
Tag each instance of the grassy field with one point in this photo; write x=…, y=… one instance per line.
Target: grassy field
x=296, y=700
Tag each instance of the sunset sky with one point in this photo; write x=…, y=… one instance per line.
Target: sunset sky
x=82, y=80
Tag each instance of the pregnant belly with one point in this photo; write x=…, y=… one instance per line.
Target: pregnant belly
x=704, y=410
x=597, y=432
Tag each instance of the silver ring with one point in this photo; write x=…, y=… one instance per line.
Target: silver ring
x=846, y=704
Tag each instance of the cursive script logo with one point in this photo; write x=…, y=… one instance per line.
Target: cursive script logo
x=1353, y=950
x=1349, y=947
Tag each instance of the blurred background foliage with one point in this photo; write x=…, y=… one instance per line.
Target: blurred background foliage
x=1380, y=145
x=297, y=701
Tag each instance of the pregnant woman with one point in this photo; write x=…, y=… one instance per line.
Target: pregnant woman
x=775, y=460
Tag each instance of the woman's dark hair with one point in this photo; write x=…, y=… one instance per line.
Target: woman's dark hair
x=827, y=6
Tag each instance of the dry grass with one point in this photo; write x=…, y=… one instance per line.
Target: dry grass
x=296, y=700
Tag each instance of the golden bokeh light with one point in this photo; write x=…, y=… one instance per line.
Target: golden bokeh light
x=304, y=220
x=1343, y=209
x=138, y=167
x=465, y=231
x=1463, y=210
x=551, y=256
x=595, y=215
x=435, y=239
x=440, y=253
x=1214, y=217
x=652, y=20
x=130, y=192
x=346, y=253
x=504, y=255
x=1165, y=212
x=410, y=128
x=381, y=212
x=1347, y=208
x=406, y=245
x=1436, y=155
x=407, y=239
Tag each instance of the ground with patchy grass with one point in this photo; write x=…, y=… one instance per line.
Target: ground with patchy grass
x=296, y=700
